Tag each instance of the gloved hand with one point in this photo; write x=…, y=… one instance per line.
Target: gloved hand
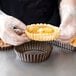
x=68, y=23
x=7, y=33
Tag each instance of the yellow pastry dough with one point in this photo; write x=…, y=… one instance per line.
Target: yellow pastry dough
x=42, y=32
x=73, y=42
x=2, y=44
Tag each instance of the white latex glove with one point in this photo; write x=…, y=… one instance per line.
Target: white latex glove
x=68, y=23
x=7, y=33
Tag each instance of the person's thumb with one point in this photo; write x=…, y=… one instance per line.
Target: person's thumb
x=18, y=24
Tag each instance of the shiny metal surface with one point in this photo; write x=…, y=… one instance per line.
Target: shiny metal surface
x=60, y=63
